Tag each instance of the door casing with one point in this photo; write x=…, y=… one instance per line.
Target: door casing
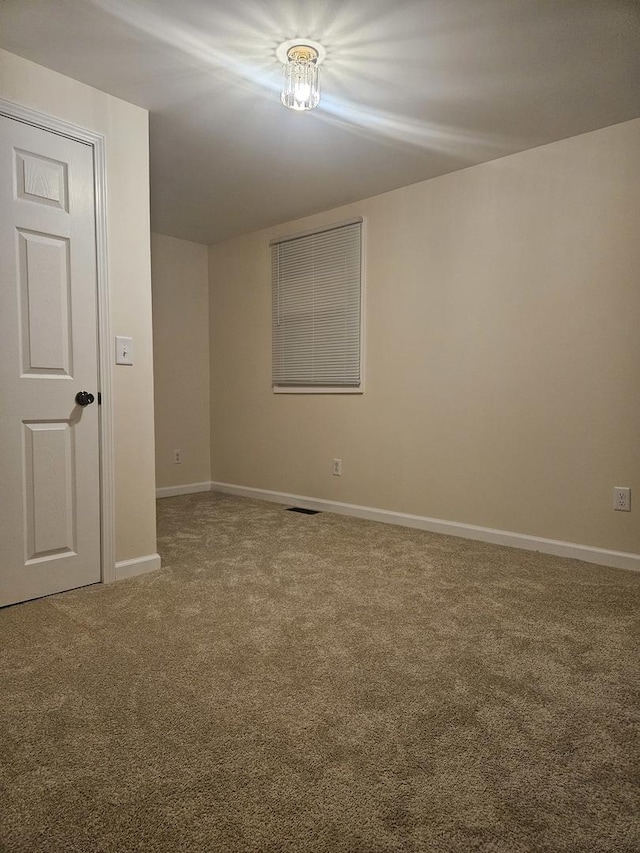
x=105, y=410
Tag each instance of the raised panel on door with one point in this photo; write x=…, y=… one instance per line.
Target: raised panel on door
x=45, y=303
x=41, y=179
x=50, y=518
x=49, y=446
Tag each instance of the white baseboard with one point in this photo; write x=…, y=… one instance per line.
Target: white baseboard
x=139, y=566
x=587, y=553
x=188, y=489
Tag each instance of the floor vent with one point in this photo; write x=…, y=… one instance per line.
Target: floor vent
x=303, y=510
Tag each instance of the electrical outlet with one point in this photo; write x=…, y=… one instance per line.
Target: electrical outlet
x=622, y=498
x=336, y=468
x=177, y=457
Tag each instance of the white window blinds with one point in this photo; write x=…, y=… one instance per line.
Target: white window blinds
x=317, y=297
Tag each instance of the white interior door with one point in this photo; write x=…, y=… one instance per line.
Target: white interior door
x=49, y=445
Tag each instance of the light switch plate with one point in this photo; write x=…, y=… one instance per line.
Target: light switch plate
x=124, y=350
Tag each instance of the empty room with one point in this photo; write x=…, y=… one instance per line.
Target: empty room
x=320, y=426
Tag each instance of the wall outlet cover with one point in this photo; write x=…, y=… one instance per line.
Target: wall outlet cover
x=622, y=498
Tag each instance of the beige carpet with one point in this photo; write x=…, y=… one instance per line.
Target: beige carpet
x=318, y=683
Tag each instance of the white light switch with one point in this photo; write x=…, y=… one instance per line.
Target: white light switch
x=124, y=350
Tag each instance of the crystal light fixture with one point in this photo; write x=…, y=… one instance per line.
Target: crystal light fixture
x=301, y=90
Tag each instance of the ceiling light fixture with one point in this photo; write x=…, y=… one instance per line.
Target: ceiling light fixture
x=301, y=88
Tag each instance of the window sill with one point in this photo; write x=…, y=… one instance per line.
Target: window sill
x=281, y=389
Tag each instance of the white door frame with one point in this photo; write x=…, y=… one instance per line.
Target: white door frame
x=105, y=410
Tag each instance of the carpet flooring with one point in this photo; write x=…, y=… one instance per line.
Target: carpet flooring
x=290, y=683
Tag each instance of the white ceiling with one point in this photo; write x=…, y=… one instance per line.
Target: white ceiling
x=410, y=89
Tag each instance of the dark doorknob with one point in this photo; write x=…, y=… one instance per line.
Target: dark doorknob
x=84, y=398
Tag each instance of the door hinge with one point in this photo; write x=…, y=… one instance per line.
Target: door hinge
x=99, y=398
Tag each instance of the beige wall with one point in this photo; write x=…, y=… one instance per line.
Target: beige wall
x=181, y=360
x=502, y=351
x=126, y=130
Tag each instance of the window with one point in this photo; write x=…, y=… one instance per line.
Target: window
x=317, y=310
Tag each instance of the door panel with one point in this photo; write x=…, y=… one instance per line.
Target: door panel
x=45, y=302
x=41, y=179
x=49, y=492
x=49, y=447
